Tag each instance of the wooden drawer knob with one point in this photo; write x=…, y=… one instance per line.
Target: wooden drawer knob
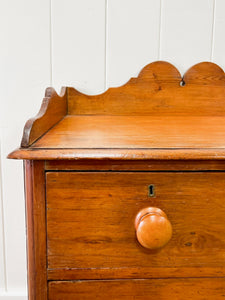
x=153, y=229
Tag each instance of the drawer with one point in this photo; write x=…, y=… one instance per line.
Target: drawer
x=162, y=289
x=90, y=224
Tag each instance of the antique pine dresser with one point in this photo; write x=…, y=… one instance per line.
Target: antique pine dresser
x=125, y=191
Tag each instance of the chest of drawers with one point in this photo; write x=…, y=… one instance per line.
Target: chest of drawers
x=125, y=191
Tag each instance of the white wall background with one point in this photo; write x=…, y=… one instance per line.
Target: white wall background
x=91, y=45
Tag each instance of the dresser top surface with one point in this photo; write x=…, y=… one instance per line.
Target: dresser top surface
x=131, y=137
x=134, y=132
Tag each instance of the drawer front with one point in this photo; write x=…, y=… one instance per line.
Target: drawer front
x=162, y=289
x=90, y=224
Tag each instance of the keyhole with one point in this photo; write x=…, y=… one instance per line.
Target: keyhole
x=151, y=190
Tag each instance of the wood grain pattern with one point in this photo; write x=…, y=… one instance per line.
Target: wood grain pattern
x=131, y=273
x=90, y=223
x=162, y=289
x=36, y=230
x=85, y=229
x=157, y=91
x=137, y=132
x=139, y=165
x=150, y=111
x=53, y=109
x=119, y=154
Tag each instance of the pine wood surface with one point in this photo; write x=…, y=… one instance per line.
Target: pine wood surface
x=134, y=165
x=162, y=289
x=53, y=109
x=90, y=224
x=120, y=154
x=158, y=91
x=125, y=137
x=152, y=111
x=92, y=159
x=36, y=229
x=138, y=132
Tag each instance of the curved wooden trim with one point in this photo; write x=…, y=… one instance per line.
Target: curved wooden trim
x=167, y=71
x=205, y=73
x=158, y=89
x=136, y=95
x=53, y=109
x=119, y=154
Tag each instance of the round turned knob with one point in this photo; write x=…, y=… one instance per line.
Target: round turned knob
x=153, y=229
